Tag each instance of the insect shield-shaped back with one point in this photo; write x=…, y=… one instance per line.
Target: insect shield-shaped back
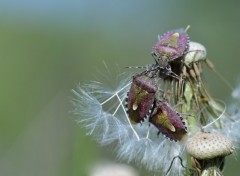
x=168, y=121
x=140, y=97
x=170, y=46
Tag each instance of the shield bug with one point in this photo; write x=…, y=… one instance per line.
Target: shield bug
x=170, y=46
x=139, y=102
x=168, y=121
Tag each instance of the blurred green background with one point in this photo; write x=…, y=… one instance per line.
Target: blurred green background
x=47, y=47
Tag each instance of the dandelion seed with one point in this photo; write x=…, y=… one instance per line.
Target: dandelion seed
x=230, y=122
x=236, y=93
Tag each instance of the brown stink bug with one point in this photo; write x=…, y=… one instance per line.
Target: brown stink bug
x=170, y=46
x=168, y=121
x=139, y=102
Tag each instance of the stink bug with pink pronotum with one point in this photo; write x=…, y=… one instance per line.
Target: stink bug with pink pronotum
x=168, y=121
x=172, y=45
x=139, y=102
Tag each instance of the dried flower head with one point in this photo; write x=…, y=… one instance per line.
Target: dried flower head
x=207, y=146
x=149, y=115
x=102, y=111
x=208, y=153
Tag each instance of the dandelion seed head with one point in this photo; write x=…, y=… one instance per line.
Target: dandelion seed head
x=102, y=112
x=128, y=110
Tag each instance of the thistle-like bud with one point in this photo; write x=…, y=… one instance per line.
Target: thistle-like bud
x=208, y=152
x=208, y=146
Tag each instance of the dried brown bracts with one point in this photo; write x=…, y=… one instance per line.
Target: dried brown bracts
x=139, y=102
x=168, y=121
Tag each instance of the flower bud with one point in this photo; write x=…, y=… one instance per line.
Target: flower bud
x=207, y=146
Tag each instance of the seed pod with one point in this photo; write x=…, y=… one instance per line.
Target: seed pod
x=168, y=121
x=139, y=102
x=207, y=146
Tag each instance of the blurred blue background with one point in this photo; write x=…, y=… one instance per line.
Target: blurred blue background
x=47, y=47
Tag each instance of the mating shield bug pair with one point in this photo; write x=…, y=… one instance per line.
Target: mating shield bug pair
x=142, y=104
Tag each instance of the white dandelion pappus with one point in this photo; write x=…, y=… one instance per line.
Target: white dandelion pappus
x=230, y=121
x=226, y=124
x=102, y=112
